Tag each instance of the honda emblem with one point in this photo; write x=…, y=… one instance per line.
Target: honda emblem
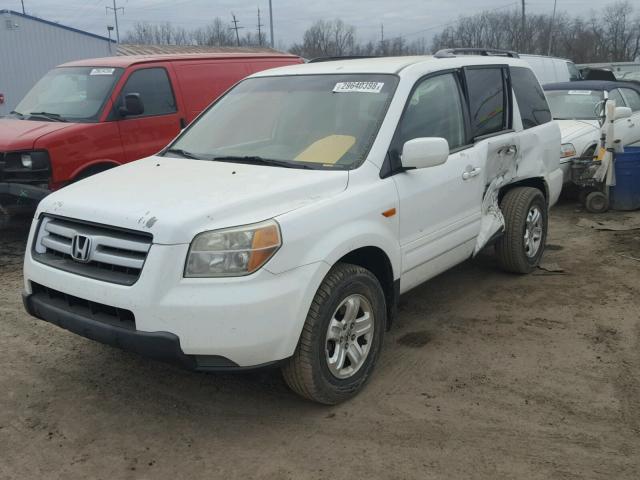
x=81, y=248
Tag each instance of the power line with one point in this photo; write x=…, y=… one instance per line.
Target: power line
x=115, y=9
x=235, y=27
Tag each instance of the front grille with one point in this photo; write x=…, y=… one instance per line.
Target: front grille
x=115, y=255
x=99, y=312
x=12, y=170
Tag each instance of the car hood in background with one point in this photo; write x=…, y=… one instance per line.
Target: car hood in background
x=572, y=129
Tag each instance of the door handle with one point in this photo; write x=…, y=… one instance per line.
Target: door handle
x=467, y=174
x=508, y=150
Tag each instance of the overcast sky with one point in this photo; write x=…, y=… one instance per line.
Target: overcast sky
x=412, y=19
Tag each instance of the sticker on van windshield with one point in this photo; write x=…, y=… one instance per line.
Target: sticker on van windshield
x=579, y=92
x=102, y=71
x=360, y=87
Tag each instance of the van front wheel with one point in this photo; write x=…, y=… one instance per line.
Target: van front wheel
x=341, y=338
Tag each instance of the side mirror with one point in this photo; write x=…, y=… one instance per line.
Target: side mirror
x=622, y=112
x=425, y=152
x=132, y=105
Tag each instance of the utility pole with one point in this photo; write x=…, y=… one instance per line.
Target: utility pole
x=235, y=27
x=382, y=52
x=273, y=45
x=522, y=32
x=115, y=9
x=109, y=29
x=553, y=20
x=260, y=25
x=22, y=2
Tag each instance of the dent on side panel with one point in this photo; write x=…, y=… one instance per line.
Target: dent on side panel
x=500, y=170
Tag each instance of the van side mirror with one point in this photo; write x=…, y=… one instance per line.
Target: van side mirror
x=132, y=105
x=622, y=112
x=424, y=152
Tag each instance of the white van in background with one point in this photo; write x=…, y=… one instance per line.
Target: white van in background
x=552, y=69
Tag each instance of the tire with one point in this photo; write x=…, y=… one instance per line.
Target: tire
x=596, y=202
x=310, y=372
x=515, y=254
x=584, y=192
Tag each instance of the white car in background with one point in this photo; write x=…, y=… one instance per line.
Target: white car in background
x=552, y=69
x=578, y=106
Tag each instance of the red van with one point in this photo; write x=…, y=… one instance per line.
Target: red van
x=87, y=116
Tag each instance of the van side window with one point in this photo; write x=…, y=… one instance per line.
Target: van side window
x=532, y=103
x=155, y=91
x=487, y=101
x=434, y=110
x=632, y=97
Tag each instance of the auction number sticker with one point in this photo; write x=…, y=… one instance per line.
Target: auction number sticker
x=102, y=71
x=359, y=87
x=579, y=92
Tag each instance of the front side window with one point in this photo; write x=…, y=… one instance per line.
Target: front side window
x=75, y=94
x=617, y=97
x=575, y=104
x=305, y=121
x=487, y=100
x=154, y=88
x=434, y=110
x=632, y=97
x=532, y=103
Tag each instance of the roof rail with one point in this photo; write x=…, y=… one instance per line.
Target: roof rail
x=334, y=59
x=452, y=52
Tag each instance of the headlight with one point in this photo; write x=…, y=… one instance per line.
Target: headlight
x=26, y=160
x=232, y=252
x=567, y=150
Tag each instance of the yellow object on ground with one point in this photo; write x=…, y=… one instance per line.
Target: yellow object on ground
x=327, y=150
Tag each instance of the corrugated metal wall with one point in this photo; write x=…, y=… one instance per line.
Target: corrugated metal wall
x=29, y=48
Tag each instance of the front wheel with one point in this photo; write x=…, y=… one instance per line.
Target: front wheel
x=521, y=247
x=341, y=338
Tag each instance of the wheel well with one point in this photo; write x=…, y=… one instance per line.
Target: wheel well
x=591, y=148
x=93, y=169
x=377, y=262
x=535, y=182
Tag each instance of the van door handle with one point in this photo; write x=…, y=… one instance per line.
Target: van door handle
x=470, y=173
x=508, y=150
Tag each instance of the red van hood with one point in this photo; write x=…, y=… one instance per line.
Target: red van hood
x=22, y=134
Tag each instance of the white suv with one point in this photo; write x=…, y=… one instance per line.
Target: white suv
x=283, y=224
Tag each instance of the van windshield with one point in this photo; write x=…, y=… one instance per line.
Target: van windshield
x=575, y=104
x=302, y=121
x=74, y=94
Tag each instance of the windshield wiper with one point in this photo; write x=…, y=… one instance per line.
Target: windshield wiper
x=54, y=117
x=183, y=153
x=257, y=160
x=16, y=113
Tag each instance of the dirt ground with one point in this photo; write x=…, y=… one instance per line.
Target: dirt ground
x=485, y=375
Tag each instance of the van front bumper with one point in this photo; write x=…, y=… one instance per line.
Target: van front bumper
x=198, y=323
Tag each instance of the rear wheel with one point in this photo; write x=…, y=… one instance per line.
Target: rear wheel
x=341, y=338
x=596, y=202
x=521, y=247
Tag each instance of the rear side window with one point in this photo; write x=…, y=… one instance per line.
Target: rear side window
x=532, y=103
x=632, y=97
x=487, y=101
x=155, y=91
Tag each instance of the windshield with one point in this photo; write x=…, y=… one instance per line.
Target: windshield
x=307, y=121
x=574, y=104
x=69, y=93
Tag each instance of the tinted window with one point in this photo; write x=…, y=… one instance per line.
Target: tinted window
x=530, y=97
x=434, y=110
x=486, y=100
x=615, y=95
x=633, y=98
x=154, y=88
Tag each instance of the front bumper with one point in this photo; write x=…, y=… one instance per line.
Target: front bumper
x=249, y=321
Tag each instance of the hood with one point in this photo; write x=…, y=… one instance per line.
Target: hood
x=18, y=134
x=572, y=129
x=175, y=198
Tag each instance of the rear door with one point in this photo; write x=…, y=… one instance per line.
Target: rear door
x=632, y=124
x=146, y=134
